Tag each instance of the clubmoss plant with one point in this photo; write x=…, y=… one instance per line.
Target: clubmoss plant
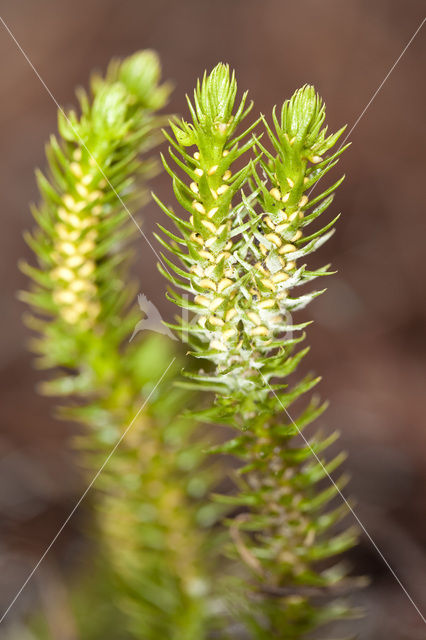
x=240, y=254
x=151, y=491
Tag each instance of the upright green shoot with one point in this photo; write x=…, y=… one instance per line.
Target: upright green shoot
x=239, y=254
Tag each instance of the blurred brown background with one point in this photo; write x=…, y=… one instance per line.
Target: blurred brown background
x=368, y=340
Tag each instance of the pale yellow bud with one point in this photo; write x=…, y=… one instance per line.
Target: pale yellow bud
x=270, y=223
x=202, y=300
x=75, y=261
x=222, y=255
x=216, y=344
x=81, y=190
x=230, y=315
x=261, y=268
x=65, y=296
x=95, y=195
x=272, y=237
x=208, y=284
x=199, y=207
x=268, y=284
x=266, y=304
x=87, y=179
x=259, y=331
x=195, y=237
x=62, y=273
x=280, y=277
x=215, y=304
x=67, y=247
x=287, y=248
x=206, y=255
x=229, y=333
x=69, y=201
x=75, y=167
x=216, y=322
x=224, y=284
x=87, y=269
x=79, y=285
x=209, y=225
x=86, y=246
x=254, y=317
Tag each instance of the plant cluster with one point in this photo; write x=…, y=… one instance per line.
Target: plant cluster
x=149, y=494
x=241, y=254
x=255, y=560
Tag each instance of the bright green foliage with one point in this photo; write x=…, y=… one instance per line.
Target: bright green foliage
x=151, y=513
x=152, y=488
x=241, y=252
x=210, y=265
x=239, y=256
x=82, y=223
